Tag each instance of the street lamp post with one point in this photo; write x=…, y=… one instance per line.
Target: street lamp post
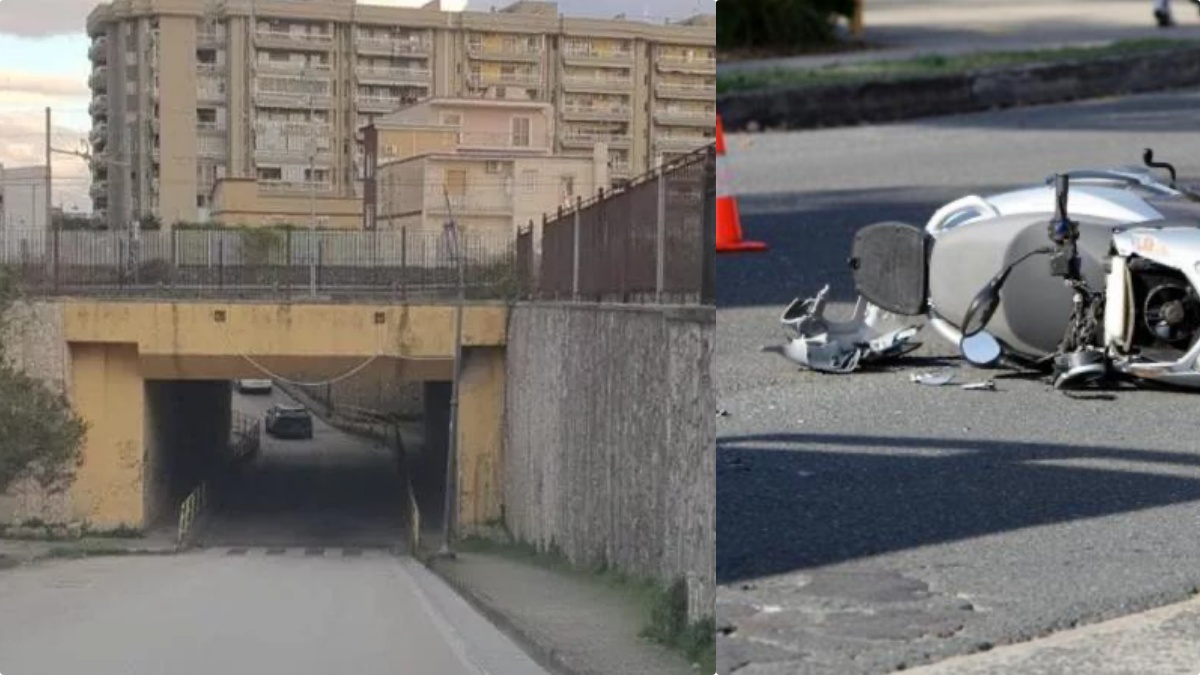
x=452, y=234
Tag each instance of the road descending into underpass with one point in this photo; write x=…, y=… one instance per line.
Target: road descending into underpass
x=210, y=612
x=335, y=490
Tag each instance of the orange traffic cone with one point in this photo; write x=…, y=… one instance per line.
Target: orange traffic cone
x=729, y=225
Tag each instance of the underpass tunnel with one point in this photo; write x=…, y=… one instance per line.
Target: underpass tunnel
x=186, y=435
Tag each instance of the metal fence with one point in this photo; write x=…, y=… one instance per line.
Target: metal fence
x=253, y=262
x=646, y=242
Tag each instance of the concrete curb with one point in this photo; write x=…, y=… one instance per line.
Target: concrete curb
x=544, y=655
x=889, y=101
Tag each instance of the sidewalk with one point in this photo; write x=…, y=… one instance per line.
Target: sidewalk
x=903, y=29
x=1164, y=641
x=15, y=552
x=572, y=624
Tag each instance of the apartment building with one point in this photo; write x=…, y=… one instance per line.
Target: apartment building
x=186, y=92
x=489, y=165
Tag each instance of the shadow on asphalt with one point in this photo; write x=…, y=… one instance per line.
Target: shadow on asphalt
x=1148, y=114
x=813, y=499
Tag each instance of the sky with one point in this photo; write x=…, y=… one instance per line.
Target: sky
x=44, y=62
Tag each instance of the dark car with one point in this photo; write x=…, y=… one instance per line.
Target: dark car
x=289, y=421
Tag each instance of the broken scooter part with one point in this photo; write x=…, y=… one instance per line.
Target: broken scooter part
x=870, y=335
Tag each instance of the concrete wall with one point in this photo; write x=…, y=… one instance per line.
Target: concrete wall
x=33, y=342
x=610, y=438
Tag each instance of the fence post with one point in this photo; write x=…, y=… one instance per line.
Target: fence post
x=575, y=250
x=708, y=275
x=287, y=234
x=57, y=233
x=320, y=258
x=174, y=257
x=403, y=260
x=660, y=253
x=220, y=260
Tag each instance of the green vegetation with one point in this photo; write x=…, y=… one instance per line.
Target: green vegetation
x=926, y=66
x=40, y=435
x=665, y=608
x=792, y=25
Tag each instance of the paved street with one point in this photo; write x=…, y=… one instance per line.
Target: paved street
x=208, y=612
x=296, y=577
x=333, y=490
x=866, y=524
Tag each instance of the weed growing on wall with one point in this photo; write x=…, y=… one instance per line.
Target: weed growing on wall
x=40, y=435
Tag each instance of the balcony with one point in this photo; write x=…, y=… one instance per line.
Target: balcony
x=436, y=203
x=210, y=128
x=595, y=57
x=212, y=150
x=206, y=93
x=596, y=113
x=503, y=80
x=210, y=70
x=210, y=38
x=98, y=50
x=293, y=40
x=98, y=106
x=391, y=46
x=298, y=69
x=686, y=118
x=99, y=189
x=279, y=128
x=597, y=83
x=619, y=169
x=506, y=53
x=374, y=75
x=680, y=143
x=294, y=100
x=487, y=141
x=685, y=64
x=98, y=80
x=99, y=134
x=377, y=104
x=686, y=90
x=589, y=140
x=293, y=186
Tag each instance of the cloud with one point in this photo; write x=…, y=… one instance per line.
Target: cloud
x=16, y=83
x=23, y=143
x=43, y=18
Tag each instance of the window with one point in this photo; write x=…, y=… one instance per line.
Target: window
x=206, y=56
x=451, y=119
x=568, y=186
x=521, y=132
x=270, y=173
x=206, y=116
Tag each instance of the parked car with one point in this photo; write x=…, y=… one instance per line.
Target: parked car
x=289, y=421
x=253, y=386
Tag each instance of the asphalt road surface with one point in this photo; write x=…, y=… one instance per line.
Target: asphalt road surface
x=297, y=576
x=333, y=490
x=207, y=612
x=866, y=524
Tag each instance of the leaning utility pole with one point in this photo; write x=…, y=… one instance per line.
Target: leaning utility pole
x=49, y=199
x=452, y=443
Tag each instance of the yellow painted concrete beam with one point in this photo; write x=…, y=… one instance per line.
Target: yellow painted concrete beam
x=295, y=330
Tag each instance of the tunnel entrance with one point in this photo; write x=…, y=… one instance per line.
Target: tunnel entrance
x=334, y=490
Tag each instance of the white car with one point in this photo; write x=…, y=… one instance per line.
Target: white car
x=253, y=386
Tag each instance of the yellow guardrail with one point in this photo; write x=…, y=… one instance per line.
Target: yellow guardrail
x=191, y=507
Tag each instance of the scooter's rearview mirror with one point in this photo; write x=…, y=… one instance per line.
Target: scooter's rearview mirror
x=980, y=349
x=983, y=306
